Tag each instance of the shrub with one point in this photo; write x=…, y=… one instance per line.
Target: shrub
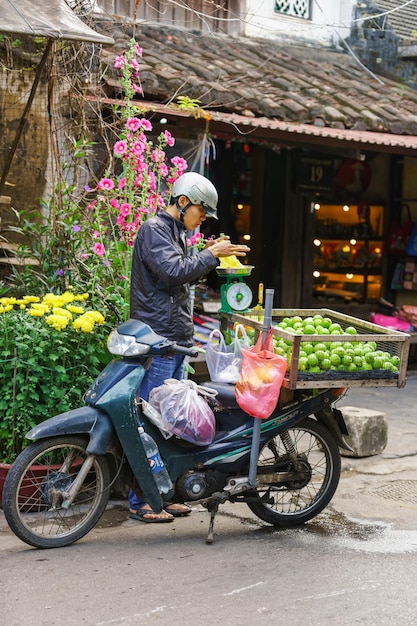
x=51, y=349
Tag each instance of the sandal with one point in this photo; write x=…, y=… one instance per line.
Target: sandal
x=179, y=511
x=157, y=518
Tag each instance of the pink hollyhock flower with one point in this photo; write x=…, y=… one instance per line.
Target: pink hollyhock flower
x=98, y=248
x=135, y=65
x=136, y=88
x=91, y=205
x=105, y=183
x=157, y=155
x=122, y=182
x=169, y=138
x=119, y=62
x=138, y=147
x=125, y=209
x=120, y=147
x=133, y=124
x=96, y=234
x=146, y=125
x=114, y=203
x=138, y=50
x=179, y=163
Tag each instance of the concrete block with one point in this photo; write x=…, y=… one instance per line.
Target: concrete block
x=368, y=431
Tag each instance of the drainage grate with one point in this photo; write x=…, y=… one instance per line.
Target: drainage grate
x=403, y=490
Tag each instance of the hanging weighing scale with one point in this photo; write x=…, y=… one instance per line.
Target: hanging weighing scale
x=235, y=294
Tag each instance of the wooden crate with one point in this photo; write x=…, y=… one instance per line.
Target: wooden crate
x=394, y=342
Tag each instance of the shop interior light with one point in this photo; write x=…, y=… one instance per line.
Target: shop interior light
x=317, y=242
x=240, y=206
x=349, y=276
x=353, y=242
x=316, y=206
x=316, y=273
x=346, y=208
x=246, y=237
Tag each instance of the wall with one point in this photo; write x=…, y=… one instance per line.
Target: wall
x=328, y=18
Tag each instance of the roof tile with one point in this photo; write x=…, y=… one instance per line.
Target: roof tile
x=301, y=84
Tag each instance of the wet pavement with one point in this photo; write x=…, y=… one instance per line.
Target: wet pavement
x=375, y=506
x=352, y=564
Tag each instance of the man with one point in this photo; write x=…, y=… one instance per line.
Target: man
x=160, y=289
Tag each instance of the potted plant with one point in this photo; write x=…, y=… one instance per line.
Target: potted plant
x=51, y=349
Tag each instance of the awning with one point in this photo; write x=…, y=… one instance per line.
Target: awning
x=275, y=131
x=47, y=18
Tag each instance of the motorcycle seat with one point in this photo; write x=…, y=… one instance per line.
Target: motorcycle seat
x=225, y=394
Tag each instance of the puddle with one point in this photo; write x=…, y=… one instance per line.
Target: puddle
x=334, y=531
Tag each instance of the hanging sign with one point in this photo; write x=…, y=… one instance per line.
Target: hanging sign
x=315, y=173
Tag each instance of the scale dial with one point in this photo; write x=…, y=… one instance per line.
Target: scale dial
x=239, y=296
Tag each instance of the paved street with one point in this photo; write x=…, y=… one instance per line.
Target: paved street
x=353, y=564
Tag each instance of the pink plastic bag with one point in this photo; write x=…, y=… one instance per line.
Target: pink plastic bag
x=259, y=385
x=184, y=411
x=394, y=323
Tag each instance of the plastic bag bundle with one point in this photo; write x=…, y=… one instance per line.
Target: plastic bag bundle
x=259, y=385
x=223, y=361
x=184, y=410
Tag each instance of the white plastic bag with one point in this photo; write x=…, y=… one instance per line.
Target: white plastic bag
x=155, y=417
x=224, y=362
x=184, y=411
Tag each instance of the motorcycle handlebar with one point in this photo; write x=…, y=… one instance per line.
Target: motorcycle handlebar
x=183, y=350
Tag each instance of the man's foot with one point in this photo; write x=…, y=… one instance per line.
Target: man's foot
x=146, y=514
x=177, y=510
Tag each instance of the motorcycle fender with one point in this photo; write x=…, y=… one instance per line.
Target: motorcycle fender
x=334, y=421
x=85, y=420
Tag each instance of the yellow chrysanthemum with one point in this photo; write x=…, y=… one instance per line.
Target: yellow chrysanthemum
x=36, y=312
x=60, y=311
x=57, y=321
x=78, y=310
x=81, y=297
x=38, y=309
x=7, y=301
x=30, y=299
x=96, y=316
x=84, y=324
x=6, y=309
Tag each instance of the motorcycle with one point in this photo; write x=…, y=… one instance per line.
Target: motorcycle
x=286, y=468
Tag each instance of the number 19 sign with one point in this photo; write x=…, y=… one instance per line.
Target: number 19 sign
x=315, y=174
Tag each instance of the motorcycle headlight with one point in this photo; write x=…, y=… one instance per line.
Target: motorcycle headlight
x=125, y=345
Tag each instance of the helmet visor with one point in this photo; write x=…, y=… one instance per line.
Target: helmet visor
x=210, y=211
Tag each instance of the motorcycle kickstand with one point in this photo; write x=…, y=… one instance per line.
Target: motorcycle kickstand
x=213, y=511
x=212, y=505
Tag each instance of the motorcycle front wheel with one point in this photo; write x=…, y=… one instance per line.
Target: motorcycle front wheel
x=293, y=494
x=35, y=489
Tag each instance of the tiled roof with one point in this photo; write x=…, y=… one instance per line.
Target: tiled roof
x=261, y=78
x=402, y=17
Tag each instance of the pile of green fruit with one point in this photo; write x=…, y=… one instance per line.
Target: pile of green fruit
x=345, y=355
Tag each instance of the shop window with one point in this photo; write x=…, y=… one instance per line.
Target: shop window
x=347, y=253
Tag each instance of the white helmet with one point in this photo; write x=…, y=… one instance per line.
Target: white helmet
x=199, y=190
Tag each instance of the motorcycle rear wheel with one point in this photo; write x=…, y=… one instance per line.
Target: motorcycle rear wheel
x=298, y=501
x=33, y=491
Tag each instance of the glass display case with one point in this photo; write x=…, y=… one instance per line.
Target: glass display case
x=347, y=261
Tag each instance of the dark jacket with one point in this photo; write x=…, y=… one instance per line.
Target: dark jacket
x=161, y=277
